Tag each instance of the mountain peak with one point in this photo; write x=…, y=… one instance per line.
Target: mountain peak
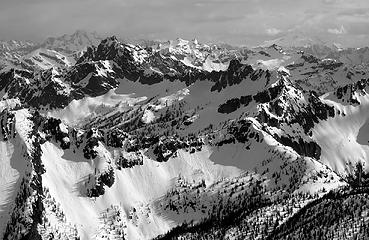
x=110, y=40
x=70, y=43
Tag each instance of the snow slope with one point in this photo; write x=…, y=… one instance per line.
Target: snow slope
x=10, y=176
x=13, y=164
x=79, y=111
x=338, y=137
x=65, y=172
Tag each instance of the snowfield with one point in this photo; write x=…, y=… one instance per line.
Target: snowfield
x=342, y=135
x=81, y=110
x=66, y=175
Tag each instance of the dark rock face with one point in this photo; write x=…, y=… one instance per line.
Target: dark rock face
x=88, y=150
x=7, y=125
x=242, y=132
x=123, y=162
x=261, y=97
x=103, y=179
x=232, y=105
x=310, y=58
x=52, y=129
x=347, y=92
x=264, y=53
x=309, y=149
x=235, y=74
x=115, y=138
x=93, y=138
x=167, y=147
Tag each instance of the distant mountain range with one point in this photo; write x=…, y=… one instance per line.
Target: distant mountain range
x=53, y=52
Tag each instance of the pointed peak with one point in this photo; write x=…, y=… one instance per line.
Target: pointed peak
x=111, y=39
x=80, y=32
x=234, y=64
x=283, y=71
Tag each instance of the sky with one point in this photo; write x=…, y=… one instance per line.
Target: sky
x=242, y=22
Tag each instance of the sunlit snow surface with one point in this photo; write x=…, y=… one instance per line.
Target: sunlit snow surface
x=342, y=138
x=12, y=167
x=66, y=171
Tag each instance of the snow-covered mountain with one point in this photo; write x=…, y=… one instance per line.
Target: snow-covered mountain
x=182, y=140
x=11, y=51
x=196, y=55
x=15, y=45
x=60, y=52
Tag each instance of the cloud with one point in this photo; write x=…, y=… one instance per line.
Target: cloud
x=273, y=31
x=233, y=21
x=330, y=1
x=355, y=12
x=337, y=31
x=216, y=18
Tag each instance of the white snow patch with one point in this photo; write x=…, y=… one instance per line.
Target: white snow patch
x=148, y=116
x=87, y=107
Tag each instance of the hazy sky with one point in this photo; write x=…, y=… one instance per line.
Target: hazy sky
x=234, y=21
